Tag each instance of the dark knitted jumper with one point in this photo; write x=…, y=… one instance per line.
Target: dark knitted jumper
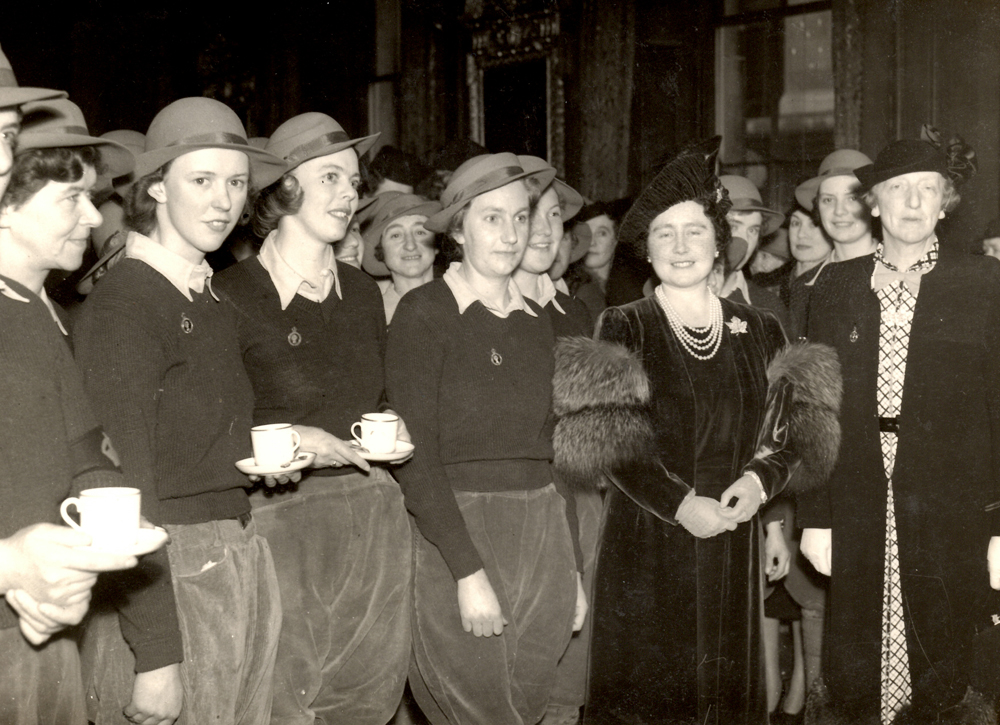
x=475, y=391
x=310, y=364
x=165, y=376
x=50, y=442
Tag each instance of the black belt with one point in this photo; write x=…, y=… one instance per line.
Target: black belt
x=888, y=425
x=243, y=519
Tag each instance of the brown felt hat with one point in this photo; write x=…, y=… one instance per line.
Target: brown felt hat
x=744, y=196
x=59, y=123
x=134, y=142
x=13, y=95
x=582, y=237
x=477, y=176
x=388, y=207
x=191, y=124
x=842, y=162
x=311, y=135
x=571, y=200
x=690, y=175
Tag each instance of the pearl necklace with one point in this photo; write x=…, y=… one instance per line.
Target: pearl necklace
x=699, y=348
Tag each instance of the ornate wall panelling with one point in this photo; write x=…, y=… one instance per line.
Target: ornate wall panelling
x=514, y=74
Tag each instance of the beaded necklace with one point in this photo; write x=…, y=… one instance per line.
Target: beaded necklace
x=706, y=344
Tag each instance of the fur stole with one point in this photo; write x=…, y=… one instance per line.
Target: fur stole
x=601, y=400
x=600, y=396
x=813, y=372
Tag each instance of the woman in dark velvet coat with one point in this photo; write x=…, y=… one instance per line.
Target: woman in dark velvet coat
x=678, y=584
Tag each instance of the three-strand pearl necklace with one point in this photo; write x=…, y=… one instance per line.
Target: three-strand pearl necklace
x=709, y=337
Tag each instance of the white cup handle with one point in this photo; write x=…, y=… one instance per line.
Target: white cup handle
x=298, y=442
x=356, y=436
x=63, y=511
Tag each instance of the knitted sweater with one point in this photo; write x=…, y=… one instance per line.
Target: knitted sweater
x=165, y=376
x=316, y=364
x=475, y=391
x=577, y=320
x=50, y=443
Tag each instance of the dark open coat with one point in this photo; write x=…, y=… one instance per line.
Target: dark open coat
x=676, y=619
x=946, y=474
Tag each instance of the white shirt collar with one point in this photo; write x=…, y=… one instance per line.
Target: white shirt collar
x=542, y=292
x=181, y=273
x=52, y=311
x=11, y=293
x=289, y=282
x=465, y=295
x=560, y=284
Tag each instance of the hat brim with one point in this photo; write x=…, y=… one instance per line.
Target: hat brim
x=373, y=235
x=265, y=168
x=360, y=146
x=772, y=220
x=12, y=96
x=582, y=246
x=571, y=199
x=117, y=159
x=439, y=222
x=806, y=192
x=869, y=176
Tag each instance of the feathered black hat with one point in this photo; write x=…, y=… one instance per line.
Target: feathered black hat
x=689, y=176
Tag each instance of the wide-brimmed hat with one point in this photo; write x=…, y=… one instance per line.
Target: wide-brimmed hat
x=311, y=135
x=12, y=95
x=134, y=142
x=688, y=176
x=572, y=201
x=389, y=207
x=842, y=162
x=191, y=124
x=582, y=237
x=744, y=196
x=477, y=176
x=59, y=123
x=902, y=157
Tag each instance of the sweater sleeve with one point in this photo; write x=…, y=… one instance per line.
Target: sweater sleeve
x=415, y=370
x=121, y=366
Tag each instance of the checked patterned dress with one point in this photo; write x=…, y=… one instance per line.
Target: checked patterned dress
x=897, y=299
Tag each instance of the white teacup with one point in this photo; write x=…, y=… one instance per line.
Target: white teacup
x=378, y=432
x=274, y=444
x=110, y=515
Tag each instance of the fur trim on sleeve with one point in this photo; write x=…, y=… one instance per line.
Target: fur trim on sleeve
x=600, y=393
x=814, y=422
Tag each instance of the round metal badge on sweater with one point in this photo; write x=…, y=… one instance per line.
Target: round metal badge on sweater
x=186, y=324
x=495, y=357
x=294, y=338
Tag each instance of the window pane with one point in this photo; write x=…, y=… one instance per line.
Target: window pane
x=775, y=100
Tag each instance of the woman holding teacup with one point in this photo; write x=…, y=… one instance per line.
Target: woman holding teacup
x=162, y=366
x=469, y=365
x=312, y=335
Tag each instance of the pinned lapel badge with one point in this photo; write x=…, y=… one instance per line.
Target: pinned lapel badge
x=186, y=324
x=294, y=338
x=495, y=357
x=854, y=334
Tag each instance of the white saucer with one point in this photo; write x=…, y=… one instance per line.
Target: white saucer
x=403, y=449
x=147, y=540
x=247, y=465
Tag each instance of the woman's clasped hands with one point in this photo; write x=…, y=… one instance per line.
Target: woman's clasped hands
x=705, y=517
